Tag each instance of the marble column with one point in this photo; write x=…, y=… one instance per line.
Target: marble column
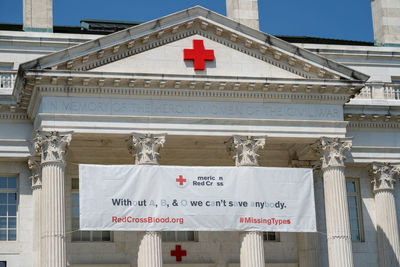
x=145, y=148
x=36, y=179
x=252, y=243
x=383, y=179
x=52, y=147
x=336, y=208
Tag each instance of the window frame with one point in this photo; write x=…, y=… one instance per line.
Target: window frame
x=76, y=191
x=360, y=219
x=277, y=236
x=16, y=191
x=396, y=80
x=195, y=237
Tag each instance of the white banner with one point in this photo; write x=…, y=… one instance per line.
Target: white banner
x=175, y=198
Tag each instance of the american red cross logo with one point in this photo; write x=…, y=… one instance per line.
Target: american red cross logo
x=178, y=253
x=181, y=180
x=198, y=54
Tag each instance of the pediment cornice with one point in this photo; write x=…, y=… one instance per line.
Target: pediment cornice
x=250, y=46
x=192, y=21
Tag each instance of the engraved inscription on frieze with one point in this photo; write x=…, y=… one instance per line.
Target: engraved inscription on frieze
x=186, y=108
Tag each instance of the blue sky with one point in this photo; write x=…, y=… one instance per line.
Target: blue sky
x=339, y=19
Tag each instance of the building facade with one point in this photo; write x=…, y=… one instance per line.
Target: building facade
x=69, y=97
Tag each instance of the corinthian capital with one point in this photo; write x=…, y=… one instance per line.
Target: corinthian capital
x=145, y=147
x=383, y=176
x=52, y=146
x=36, y=172
x=332, y=151
x=245, y=148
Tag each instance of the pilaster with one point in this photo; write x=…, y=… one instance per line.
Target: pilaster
x=36, y=179
x=52, y=147
x=308, y=243
x=252, y=243
x=336, y=207
x=383, y=180
x=145, y=148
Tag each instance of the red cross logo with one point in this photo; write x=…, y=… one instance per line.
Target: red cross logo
x=181, y=180
x=198, y=54
x=178, y=253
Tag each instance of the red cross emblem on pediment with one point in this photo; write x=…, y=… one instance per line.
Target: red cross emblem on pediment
x=199, y=55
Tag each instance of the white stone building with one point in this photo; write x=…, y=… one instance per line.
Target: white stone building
x=70, y=96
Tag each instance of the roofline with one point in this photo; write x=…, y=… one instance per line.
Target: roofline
x=181, y=17
x=185, y=15
x=287, y=38
x=320, y=40
x=110, y=21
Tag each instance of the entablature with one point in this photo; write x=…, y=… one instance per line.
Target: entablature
x=372, y=116
x=221, y=88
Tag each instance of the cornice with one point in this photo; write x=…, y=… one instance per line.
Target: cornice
x=372, y=116
x=196, y=93
x=374, y=124
x=13, y=116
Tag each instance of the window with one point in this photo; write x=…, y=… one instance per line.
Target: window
x=3, y=264
x=8, y=209
x=6, y=66
x=396, y=88
x=271, y=236
x=179, y=236
x=83, y=235
x=354, y=202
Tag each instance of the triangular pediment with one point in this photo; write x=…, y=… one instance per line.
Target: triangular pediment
x=169, y=59
x=156, y=47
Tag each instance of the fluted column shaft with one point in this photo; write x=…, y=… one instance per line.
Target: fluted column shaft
x=150, y=250
x=387, y=229
x=386, y=217
x=337, y=218
x=336, y=207
x=252, y=249
x=145, y=148
x=53, y=206
x=52, y=146
x=252, y=243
